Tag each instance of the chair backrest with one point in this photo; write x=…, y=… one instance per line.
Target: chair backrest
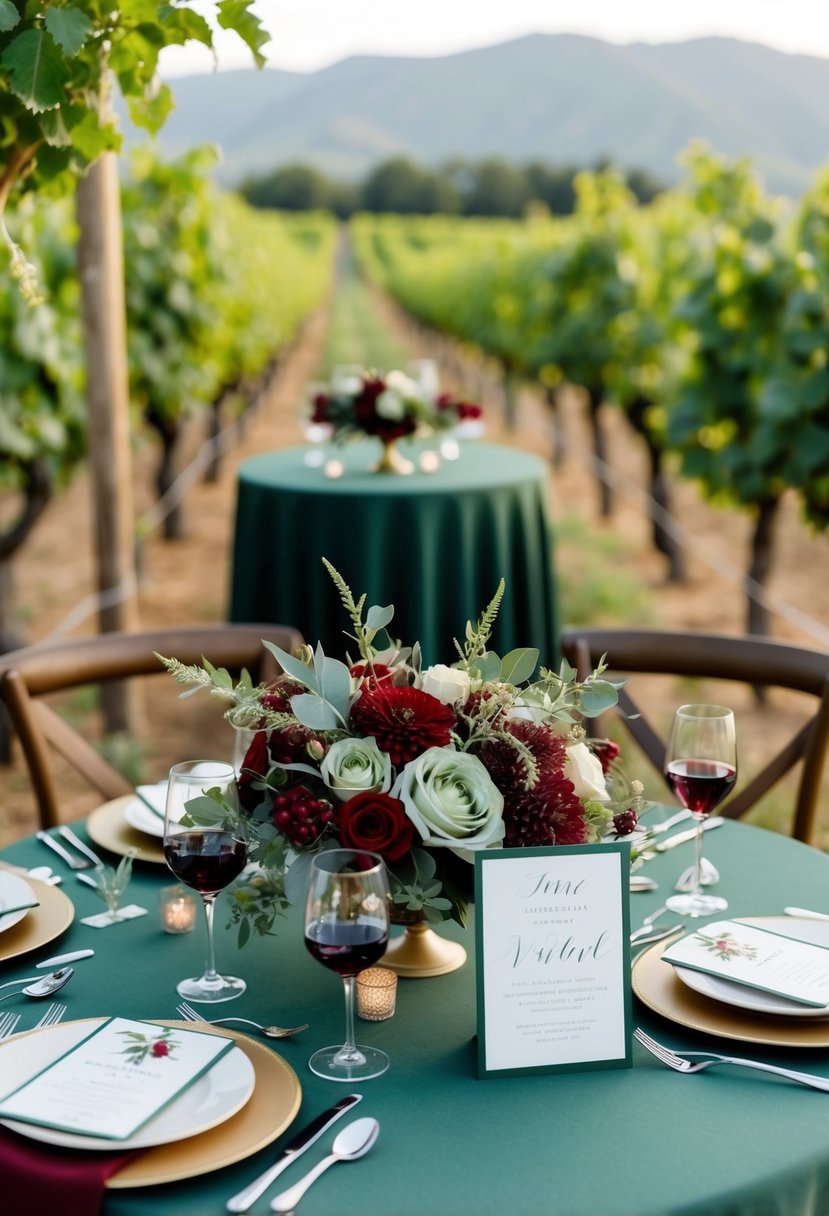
x=30, y=674
x=758, y=662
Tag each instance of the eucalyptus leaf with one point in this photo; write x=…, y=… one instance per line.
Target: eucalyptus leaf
x=518, y=665
x=425, y=864
x=596, y=697
x=336, y=685
x=205, y=811
x=487, y=667
x=292, y=667
x=378, y=618
x=314, y=712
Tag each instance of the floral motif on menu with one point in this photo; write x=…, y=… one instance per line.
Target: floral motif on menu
x=140, y=1046
x=725, y=946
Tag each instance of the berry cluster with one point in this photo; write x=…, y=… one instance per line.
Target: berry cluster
x=301, y=817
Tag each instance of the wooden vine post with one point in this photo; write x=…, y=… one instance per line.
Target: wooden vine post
x=101, y=273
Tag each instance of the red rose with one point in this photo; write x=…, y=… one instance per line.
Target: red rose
x=378, y=823
x=377, y=672
x=404, y=721
x=254, y=766
x=606, y=751
x=160, y=1049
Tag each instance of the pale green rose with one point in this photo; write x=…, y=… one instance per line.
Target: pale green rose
x=451, y=799
x=585, y=771
x=356, y=766
x=390, y=405
x=448, y=684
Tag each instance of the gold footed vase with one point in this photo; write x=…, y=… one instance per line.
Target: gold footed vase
x=393, y=460
x=420, y=953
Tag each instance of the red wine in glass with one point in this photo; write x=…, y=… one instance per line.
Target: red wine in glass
x=701, y=769
x=347, y=948
x=701, y=785
x=206, y=861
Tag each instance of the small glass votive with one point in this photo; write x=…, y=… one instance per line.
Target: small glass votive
x=376, y=994
x=178, y=910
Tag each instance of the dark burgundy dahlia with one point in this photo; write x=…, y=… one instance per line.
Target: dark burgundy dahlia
x=404, y=721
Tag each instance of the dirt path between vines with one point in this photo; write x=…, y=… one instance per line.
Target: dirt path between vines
x=187, y=581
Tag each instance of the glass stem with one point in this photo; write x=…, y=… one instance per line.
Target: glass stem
x=698, y=857
x=210, y=971
x=349, y=1046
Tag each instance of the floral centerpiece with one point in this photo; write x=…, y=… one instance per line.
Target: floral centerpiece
x=422, y=766
x=391, y=407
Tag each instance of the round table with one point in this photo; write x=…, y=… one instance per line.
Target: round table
x=435, y=545
x=643, y=1141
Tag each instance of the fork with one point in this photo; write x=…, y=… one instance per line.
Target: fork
x=76, y=863
x=51, y=1017
x=270, y=1032
x=696, y=1061
x=8, y=1024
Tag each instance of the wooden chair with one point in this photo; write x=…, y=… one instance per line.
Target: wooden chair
x=757, y=662
x=27, y=676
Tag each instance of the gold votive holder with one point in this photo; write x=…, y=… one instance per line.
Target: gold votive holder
x=178, y=910
x=376, y=994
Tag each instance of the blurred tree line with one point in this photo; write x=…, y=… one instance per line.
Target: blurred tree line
x=490, y=187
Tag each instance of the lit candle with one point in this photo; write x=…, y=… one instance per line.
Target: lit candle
x=178, y=910
x=376, y=994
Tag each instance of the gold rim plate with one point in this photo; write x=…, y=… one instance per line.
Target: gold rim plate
x=41, y=925
x=271, y=1109
x=656, y=986
x=108, y=828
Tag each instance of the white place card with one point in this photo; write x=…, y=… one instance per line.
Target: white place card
x=758, y=958
x=116, y=1079
x=553, y=967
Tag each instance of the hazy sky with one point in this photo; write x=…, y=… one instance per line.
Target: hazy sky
x=309, y=34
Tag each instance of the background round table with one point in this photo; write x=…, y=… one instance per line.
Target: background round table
x=433, y=544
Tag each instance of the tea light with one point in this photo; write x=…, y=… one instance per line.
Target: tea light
x=429, y=462
x=376, y=994
x=178, y=910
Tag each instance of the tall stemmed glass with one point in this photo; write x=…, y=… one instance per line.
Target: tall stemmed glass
x=347, y=929
x=701, y=768
x=205, y=847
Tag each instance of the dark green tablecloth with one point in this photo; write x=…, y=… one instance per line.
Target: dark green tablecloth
x=434, y=545
x=634, y=1142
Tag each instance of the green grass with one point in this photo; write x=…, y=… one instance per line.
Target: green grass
x=356, y=333
x=594, y=588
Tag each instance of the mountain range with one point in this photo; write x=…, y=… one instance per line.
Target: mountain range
x=562, y=99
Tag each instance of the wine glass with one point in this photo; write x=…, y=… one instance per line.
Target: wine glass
x=701, y=768
x=205, y=847
x=347, y=929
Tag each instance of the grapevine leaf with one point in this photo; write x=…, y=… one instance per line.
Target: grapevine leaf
x=9, y=16
x=152, y=112
x=69, y=27
x=235, y=15
x=37, y=70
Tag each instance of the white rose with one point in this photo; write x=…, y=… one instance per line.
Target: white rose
x=390, y=405
x=356, y=766
x=585, y=771
x=448, y=684
x=402, y=384
x=452, y=801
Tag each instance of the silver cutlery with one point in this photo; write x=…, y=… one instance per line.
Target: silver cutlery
x=40, y=985
x=60, y=959
x=8, y=1025
x=806, y=914
x=69, y=836
x=270, y=1032
x=352, y=1143
x=681, y=838
x=51, y=1017
x=76, y=863
x=696, y=1061
x=44, y=874
x=646, y=924
x=641, y=882
x=656, y=829
x=655, y=935
x=293, y=1149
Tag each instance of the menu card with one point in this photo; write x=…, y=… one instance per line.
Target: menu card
x=553, y=966
x=758, y=958
x=116, y=1079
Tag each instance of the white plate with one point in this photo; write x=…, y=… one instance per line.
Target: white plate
x=14, y=891
x=743, y=997
x=210, y=1100
x=140, y=817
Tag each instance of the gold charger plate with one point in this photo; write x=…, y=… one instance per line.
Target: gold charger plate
x=656, y=985
x=43, y=924
x=107, y=827
x=271, y=1108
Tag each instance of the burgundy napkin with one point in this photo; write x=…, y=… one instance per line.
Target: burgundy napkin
x=43, y=1178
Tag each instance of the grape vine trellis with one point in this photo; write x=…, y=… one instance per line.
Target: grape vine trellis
x=705, y=316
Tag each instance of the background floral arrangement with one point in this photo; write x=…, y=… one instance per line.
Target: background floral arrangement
x=390, y=406
x=423, y=766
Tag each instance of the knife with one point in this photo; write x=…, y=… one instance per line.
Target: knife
x=68, y=834
x=60, y=959
x=292, y=1150
x=681, y=837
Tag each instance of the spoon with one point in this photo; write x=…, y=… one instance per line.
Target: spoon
x=353, y=1142
x=806, y=913
x=43, y=985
